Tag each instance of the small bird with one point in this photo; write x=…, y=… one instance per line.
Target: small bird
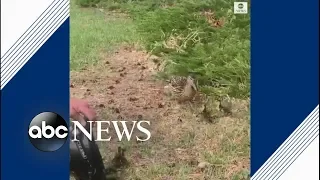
x=178, y=82
x=226, y=105
x=189, y=90
x=211, y=111
x=119, y=159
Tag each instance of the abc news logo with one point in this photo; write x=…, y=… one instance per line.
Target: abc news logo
x=48, y=131
x=240, y=7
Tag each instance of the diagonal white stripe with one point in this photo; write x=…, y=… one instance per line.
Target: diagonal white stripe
x=299, y=152
x=291, y=148
x=306, y=166
x=296, y=142
x=289, y=140
x=25, y=35
x=17, y=18
x=37, y=46
x=283, y=148
x=29, y=44
x=43, y=20
x=33, y=37
x=293, y=153
x=38, y=33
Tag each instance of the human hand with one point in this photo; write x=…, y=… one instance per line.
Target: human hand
x=80, y=108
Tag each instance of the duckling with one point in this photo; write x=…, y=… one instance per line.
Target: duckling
x=226, y=105
x=178, y=82
x=113, y=169
x=119, y=159
x=189, y=90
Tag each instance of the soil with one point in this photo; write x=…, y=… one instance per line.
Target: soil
x=122, y=86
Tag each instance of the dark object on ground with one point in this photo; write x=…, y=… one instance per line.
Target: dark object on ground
x=226, y=105
x=86, y=162
x=119, y=159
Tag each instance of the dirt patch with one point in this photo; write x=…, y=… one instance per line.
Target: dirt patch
x=122, y=86
x=123, y=81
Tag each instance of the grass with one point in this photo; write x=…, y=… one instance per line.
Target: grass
x=93, y=32
x=189, y=44
x=218, y=56
x=224, y=145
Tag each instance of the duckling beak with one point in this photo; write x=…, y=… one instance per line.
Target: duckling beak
x=194, y=87
x=191, y=81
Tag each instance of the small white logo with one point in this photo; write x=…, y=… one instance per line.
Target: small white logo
x=240, y=7
x=37, y=132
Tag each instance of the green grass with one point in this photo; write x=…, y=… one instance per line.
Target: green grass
x=218, y=57
x=93, y=32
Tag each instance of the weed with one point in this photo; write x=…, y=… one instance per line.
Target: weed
x=198, y=37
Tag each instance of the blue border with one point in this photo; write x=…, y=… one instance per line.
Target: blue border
x=284, y=72
x=41, y=85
